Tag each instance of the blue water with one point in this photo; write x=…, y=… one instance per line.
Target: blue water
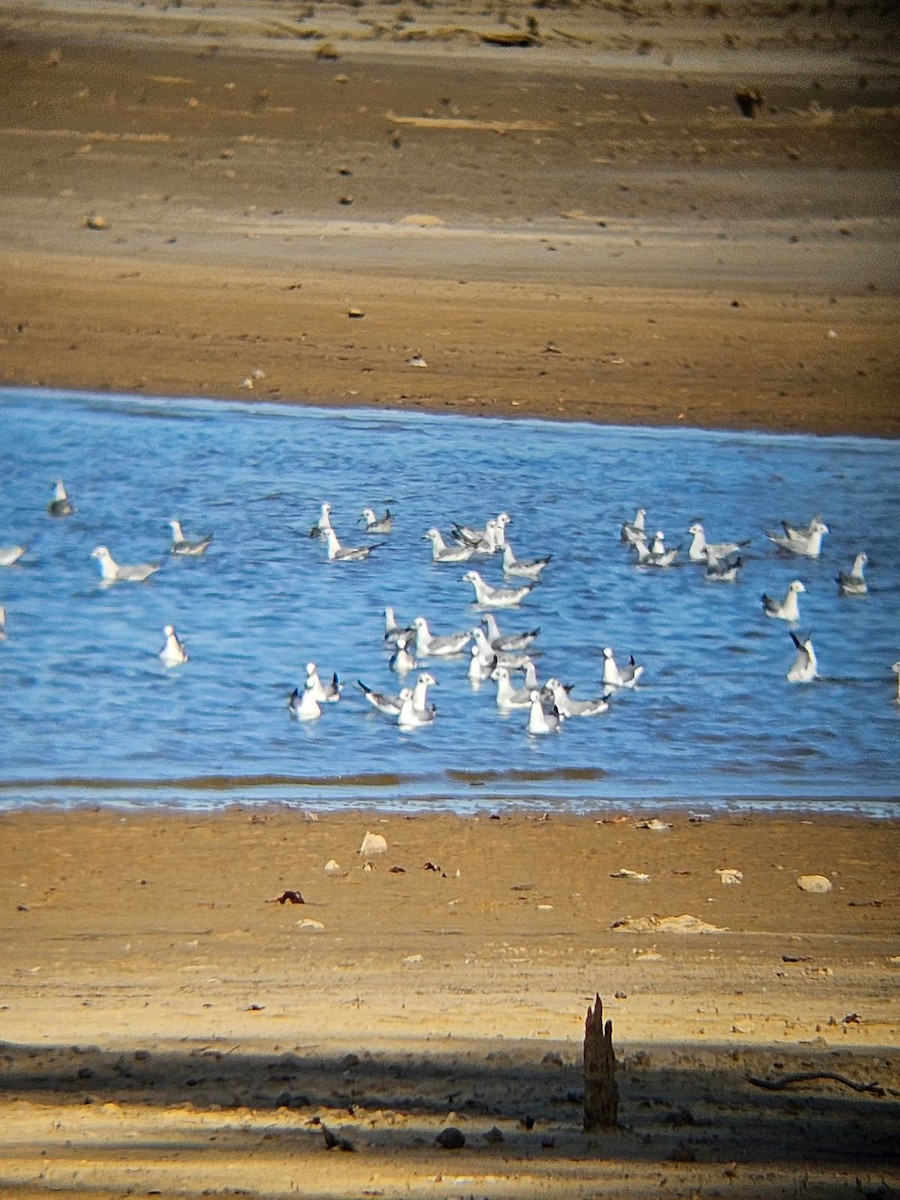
x=88, y=714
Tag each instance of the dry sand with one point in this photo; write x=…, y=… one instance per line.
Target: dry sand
x=580, y=228
x=170, y=1025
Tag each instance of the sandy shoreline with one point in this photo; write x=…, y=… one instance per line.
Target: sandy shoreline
x=168, y=1024
x=581, y=228
x=593, y=232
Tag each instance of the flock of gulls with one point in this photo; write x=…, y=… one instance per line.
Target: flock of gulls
x=504, y=658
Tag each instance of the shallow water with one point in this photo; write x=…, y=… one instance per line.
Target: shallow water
x=88, y=714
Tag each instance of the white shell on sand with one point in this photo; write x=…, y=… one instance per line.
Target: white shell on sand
x=310, y=926
x=730, y=875
x=814, y=883
x=373, y=843
x=332, y=868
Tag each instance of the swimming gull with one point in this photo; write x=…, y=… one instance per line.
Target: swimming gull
x=403, y=660
x=700, y=550
x=188, y=546
x=173, y=653
x=495, y=597
x=377, y=524
x=656, y=554
x=391, y=704
x=523, y=567
x=615, y=676
x=804, y=666
x=112, y=572
x=512, y=641
x=339, y=553
x=324, y=521
x=853, y=582
x=304, y=705
x=11, y=554
x=799, y=542
x=570, y=707
x=539, y=720
x=895, y=667
x=487, y=540
x=513, y=659
x=724, y=570
x=325, y=693
x=479, y=668
x=2, y=623
x=60, y=505
x=410, y=717
x=788, y=609
x=428, y=644
x=392, y=630
x=634, y=531
x=508, y=696
x=442, y=553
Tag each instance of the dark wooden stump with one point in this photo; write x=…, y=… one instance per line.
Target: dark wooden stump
x=601, y=1092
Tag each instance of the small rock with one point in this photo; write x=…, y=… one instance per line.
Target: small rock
x=450, y=1138
x=494, y=1136
x=818, y=884
x=729, y=876
x=310, y=926
x=95, y=221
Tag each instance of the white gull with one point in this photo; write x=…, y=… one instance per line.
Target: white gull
x=788, y=609
x=797, y=542
x=339, y=553
x=508, y=696
x=428, y=644
x=539, y=720
x=495, y=597
x=567, y=706
x=173, y=653
x=112, y=572
x=853, y=582
x=11, y=554
x=442, y=553
x=615, y=676
x=378, y=524
x=804, y=667
x=188, y=546
x=700, y=550
x=325, y=693
x=403, y=660
x=634, y=531
x=410, y=717
x=391, y=704
x=525, y=568
x=304, y=705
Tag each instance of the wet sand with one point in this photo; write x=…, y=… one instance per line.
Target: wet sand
x=250, y=203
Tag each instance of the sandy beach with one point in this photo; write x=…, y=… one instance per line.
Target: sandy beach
x=564, y=213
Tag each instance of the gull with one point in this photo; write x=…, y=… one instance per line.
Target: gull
x=403, y=660
x=802, y=542
x=325, y=693
x=700, y=550
x=508, y=696
x=480, y=668
x=390, y=704
x=513, y=641
x=567, y=707
x=304, y=705
x=895, y=667
x=442, y=553
x=540, y=721
x=487, y=540
x=788, y=609
x=615, y=676
x=803, y=669
x=60, y=505
x=173, y=653
x=801, y=532
x=495, y=597
x=512, y=659
x=853, y=582
x=392, y=631
x=2, y=623
x=324, y=521
x=410, y=717
x=526, y=568
x=656, y=554
x=427, y=644
x=111, y=572
x=11, y=554
x=724, y=570
x=183, y=545
x=377, y=524
x=339, y=553
x=634, y=531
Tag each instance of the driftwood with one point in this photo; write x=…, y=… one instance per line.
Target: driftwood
x=775, y=1085
x=601, y=1092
